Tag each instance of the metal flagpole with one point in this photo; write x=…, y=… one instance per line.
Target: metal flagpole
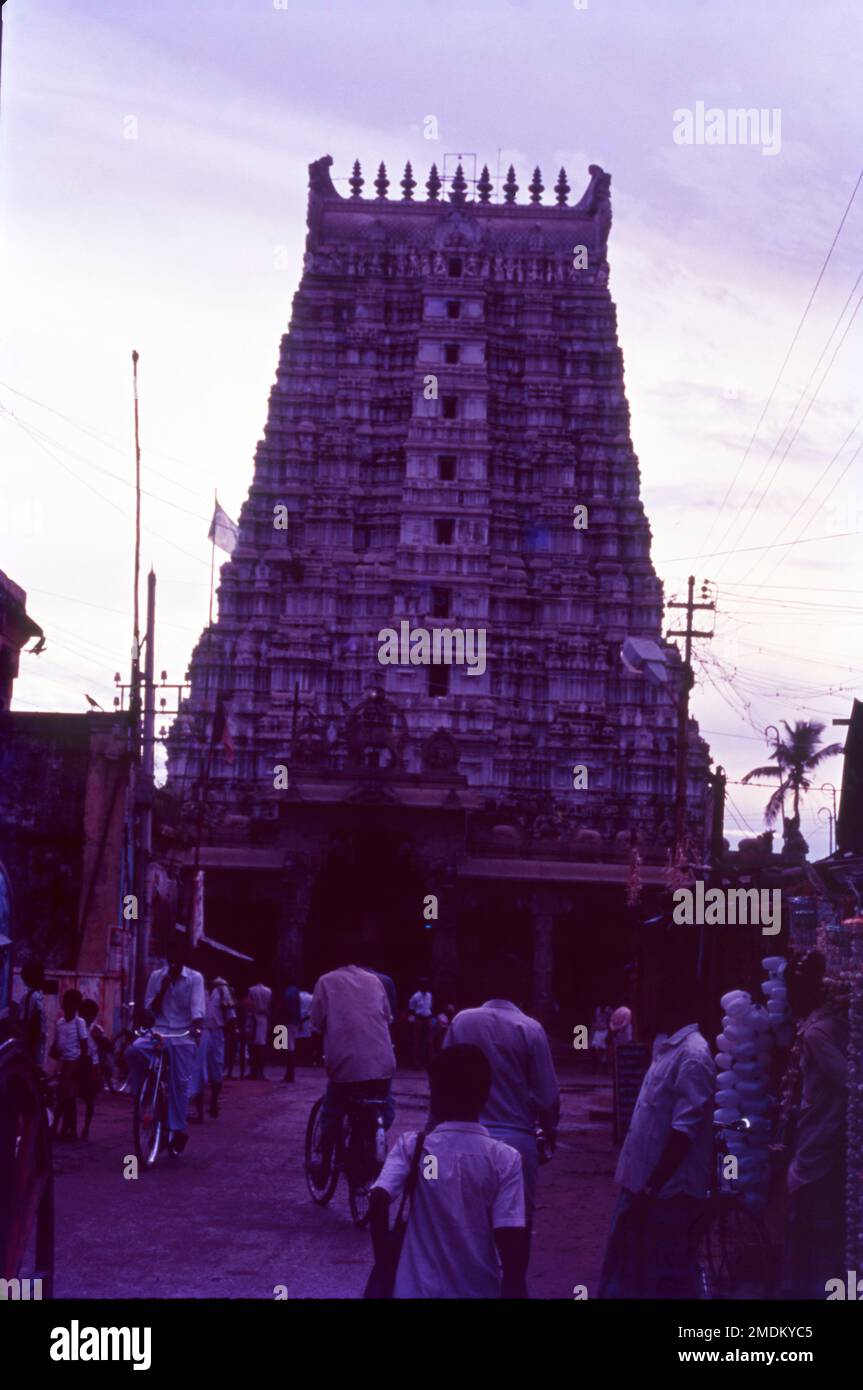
x=213, y=559
x=135, y=690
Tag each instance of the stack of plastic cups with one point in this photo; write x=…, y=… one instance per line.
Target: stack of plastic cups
x=742, y=1091
x=776, y=992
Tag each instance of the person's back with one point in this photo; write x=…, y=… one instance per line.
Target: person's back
x=351, y=1010
x=524, y=1092
x=524, y=1084
x=466, y=1227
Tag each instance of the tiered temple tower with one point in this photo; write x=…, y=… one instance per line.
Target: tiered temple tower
x=447, y=445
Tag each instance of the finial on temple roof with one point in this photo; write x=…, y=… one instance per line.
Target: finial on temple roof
x=382, y=183
x=356, y=181
x=433, y=184
x=458, y=187
x=483, y=186
x=408, y=183
x=510, y=188
x=536, y=186
x=561, y=188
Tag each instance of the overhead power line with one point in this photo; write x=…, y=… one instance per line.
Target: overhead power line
x=786, y=358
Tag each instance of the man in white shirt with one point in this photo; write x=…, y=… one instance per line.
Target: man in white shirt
x=420, y=1009
x=175, y=1002
x=259, y=1000
x=466, y=1235
x=220, y=1017
x=524, y=1089
x=664, y=1165
x=351, y=1011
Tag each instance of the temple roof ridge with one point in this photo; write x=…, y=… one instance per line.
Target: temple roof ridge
x=460, y=189
x=378, y=207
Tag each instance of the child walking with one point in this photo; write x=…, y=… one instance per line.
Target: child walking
x=91, y=1070
x=70, y=1050
x=465, y=1235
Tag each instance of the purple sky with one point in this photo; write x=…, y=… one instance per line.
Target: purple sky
x=172, y=243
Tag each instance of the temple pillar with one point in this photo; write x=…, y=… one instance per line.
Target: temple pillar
x=445, y=941
x=294, y=908
x=543, y=907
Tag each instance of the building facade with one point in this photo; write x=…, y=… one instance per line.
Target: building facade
x=421, y=633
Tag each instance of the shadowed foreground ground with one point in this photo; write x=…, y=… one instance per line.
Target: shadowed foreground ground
x=232, y=1218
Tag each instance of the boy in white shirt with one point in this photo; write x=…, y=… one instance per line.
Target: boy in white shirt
x=70, y=1050
x=466, y=1235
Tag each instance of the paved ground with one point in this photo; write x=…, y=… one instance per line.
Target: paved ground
x=232, y=1218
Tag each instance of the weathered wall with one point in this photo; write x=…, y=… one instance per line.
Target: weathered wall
x=57, y=778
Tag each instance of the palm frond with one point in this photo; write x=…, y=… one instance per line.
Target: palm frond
x=774, y=806
x=831, y=751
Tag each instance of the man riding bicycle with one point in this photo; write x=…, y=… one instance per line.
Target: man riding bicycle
x=351, y=1011
x=173, y=1001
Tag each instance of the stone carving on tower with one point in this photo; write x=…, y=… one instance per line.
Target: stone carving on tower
x=449, y=393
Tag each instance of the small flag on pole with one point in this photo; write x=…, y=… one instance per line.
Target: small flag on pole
x=222, y=733
x=223, y=531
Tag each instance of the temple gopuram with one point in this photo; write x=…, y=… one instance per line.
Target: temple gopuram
x=447, y=450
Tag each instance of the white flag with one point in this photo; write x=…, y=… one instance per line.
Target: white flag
x=223, y=531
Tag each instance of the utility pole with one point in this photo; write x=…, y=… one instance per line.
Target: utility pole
x=138, y=963
x=691, y=608
x=144, y=787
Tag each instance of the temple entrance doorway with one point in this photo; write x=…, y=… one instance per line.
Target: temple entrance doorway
x=494, y=921
x=366, y=907
x=594, y=956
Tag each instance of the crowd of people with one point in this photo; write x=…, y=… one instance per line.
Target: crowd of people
x=465, y=1231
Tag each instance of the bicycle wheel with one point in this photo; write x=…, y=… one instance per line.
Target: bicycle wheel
x=321, y=1184
x=147, y=1122
x=26, y=1178
x=735, y=1255
x=361, y=1168
x=360, y=1203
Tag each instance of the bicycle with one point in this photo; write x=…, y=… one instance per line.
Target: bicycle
x=359, y=1152
x=150, y=1118
x=734, y=1250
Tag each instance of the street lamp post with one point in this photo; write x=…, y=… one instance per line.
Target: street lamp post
x=829, y=787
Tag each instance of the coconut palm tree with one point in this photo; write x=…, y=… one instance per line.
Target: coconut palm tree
x=795, y=757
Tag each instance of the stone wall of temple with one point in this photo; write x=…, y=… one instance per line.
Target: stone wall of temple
x=450, y=390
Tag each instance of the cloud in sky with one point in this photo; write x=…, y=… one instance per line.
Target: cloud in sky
x=186, y=243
